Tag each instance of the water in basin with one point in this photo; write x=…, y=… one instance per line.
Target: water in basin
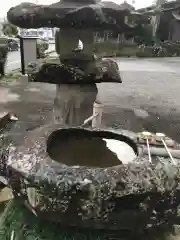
x=90, y=151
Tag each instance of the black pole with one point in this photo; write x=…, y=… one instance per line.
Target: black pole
x=22, y=56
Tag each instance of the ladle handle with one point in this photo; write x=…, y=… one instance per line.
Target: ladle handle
x=89, y=119
x=169, y=153
x=149, y=151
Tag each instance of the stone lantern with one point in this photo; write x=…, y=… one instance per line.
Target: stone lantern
x=78, y=71
x=69, y=174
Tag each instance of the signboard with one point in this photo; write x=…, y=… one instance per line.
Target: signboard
x=28, y=48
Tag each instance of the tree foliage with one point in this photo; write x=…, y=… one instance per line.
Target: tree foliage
x=9, y=29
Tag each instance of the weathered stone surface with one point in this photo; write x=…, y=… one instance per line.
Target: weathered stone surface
x=101, y=15
x=73, y=103
x=176, y=230
x=135, y=197
x=75, y=70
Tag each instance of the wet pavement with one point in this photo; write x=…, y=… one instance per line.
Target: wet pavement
x=148, y=98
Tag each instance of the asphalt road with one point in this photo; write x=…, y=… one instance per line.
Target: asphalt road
x=148, y=98
x=14, y=61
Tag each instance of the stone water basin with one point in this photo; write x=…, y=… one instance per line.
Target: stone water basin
x=85, y=178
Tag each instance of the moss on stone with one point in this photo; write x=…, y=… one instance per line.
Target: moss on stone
x=17, y=223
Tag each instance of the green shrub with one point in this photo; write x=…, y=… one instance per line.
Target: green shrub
x=116, y=49
x=151, y=51
x=110, y=49
x=142, y=54
x=42, y=46
x=172, y=48
x=126, y=51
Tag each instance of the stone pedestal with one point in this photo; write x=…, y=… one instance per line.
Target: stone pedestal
x=74, y=103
